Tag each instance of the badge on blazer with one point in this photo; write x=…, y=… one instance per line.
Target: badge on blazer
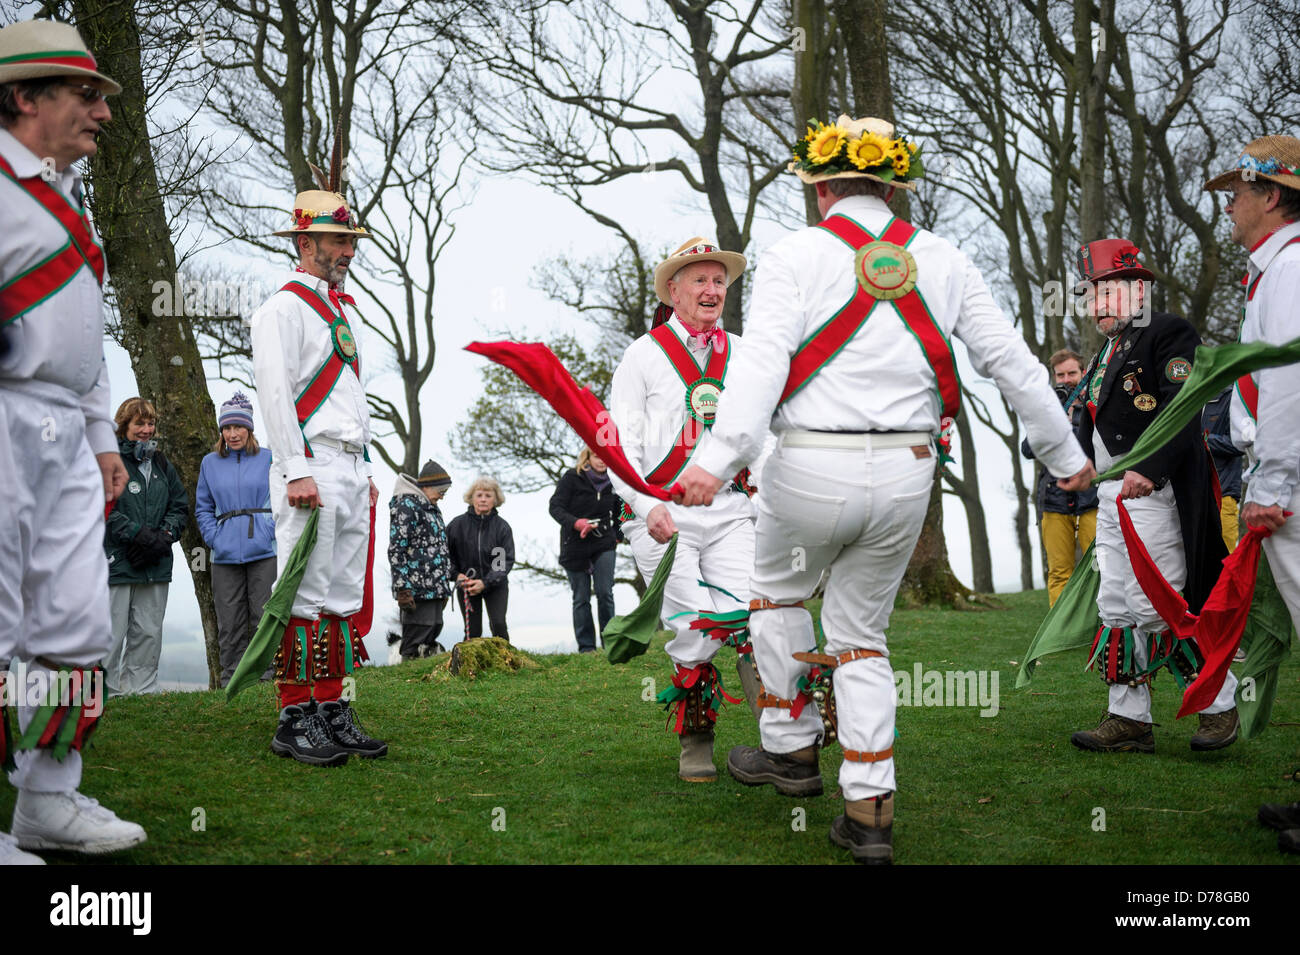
x=702, y=400
x=1178, y=369
x=134, y=487
x=884, y=270
x=1145, y=402
x=344, y=343
x=1129, y=383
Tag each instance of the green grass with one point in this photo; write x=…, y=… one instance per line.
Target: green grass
x=585, y=772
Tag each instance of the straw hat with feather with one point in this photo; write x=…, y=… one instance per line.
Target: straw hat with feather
x=1275, y=158
x=36, y=49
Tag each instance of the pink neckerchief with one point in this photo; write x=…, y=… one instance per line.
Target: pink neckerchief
x=701, y=339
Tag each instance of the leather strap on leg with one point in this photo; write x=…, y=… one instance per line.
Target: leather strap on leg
x=862, y=756
x=818, y=686
x=762, y=604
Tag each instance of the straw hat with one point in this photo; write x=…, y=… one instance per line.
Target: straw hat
x=34, y=49
x=692, y=251
x=1275, y=158
x=319, y=211
x=865, y=148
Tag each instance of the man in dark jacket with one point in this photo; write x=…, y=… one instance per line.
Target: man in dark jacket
x=1216, y=422
x=587, y=510
x=1169, y=496
x=420, y=558
x=140, y=530
x=1068, y=519
x=482, y=555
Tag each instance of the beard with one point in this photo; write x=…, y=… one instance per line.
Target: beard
x=329, y=265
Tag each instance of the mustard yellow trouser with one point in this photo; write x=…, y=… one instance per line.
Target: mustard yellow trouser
x=1060, y=533
x=1228, y=518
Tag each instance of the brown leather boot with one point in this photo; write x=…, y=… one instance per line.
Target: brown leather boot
x=695, y=765
x=1117, y=734
x=793, y=774
x=1216, y=731
x=867, y=830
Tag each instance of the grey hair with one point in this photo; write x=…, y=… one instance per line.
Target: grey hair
x=857, y=186
x=9, y=111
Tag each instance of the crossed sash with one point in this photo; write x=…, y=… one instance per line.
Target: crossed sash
x=666, y=471
x=323, y=382
x=1247, y=390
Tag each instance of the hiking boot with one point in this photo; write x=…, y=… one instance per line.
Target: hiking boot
x=1280, y=816
x=1288, y=840
x=793, y=774
x=10, y=854
x=1217, y=730
x=695, y=765
x=346, y=731
x=750, y=683
x=303, y=735
x=71, y=822
x=1117, y=734
x=867, y=830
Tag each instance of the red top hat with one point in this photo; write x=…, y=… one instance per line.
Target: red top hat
x=1109, y=259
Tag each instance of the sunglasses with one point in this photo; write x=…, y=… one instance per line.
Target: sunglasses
x=89, y=94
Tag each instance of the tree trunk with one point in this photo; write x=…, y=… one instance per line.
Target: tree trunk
x=929, y=578
x=967, y=489
x=1093, y=72
x=130, y=215
x=810, y=92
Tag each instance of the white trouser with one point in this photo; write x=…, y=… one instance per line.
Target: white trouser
x=1120, y=600
x=335, y=577
x=1283, y=551
x=857, y=514
x=714, y=544
x=53, y=573
x=131, y=665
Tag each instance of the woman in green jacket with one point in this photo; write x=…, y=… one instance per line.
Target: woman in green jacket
x=139, y=532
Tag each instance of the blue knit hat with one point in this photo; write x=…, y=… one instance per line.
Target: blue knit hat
x=238, y=410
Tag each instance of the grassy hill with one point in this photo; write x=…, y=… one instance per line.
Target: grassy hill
x=566, y=762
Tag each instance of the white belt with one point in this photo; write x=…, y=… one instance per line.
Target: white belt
x=845, y=440
x=346, y=446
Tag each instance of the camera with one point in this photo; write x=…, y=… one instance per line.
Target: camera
x=1062, y=393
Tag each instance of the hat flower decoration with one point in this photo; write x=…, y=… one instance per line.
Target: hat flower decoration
x=863, y=147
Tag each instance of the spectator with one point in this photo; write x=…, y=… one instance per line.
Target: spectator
x=420, y=558
x=1067, y=519
x=1216, y=425
x=140, y=530
x=482, y=554
x=233, y=508
x=587, y=509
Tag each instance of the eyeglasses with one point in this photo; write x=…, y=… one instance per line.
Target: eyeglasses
x=89, y=94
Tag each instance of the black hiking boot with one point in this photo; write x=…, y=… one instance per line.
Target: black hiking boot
x=303, y=735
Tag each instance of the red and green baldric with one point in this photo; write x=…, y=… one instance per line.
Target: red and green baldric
x=886, y=272
x=343, y=354
x=1246, y=387
x=702, y=391
x=24, y=292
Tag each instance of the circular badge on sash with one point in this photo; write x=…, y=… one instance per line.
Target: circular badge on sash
x=344, y=343
x=884, y=270
x=702, y=400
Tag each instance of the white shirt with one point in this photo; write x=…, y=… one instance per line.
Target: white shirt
x=1272, y=316
x=291, y=343
x=880, y=380
x=61, y=340
x=647, y=401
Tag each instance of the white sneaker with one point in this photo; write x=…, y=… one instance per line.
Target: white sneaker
x=10, y=854
x=72, y=822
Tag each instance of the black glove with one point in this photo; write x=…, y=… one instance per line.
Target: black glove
x=406, y=599
x=149, y=546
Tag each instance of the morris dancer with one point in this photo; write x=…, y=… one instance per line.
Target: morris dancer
x=855, y=404
x=1169, y=496
x=58, y=457
x=1265, y=209
x=662, y=398
x=309, y=379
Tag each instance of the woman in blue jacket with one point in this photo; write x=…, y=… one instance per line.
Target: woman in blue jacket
x=233, y=508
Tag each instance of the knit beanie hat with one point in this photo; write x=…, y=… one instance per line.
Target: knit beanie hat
x=433, y=474
x=238, y=410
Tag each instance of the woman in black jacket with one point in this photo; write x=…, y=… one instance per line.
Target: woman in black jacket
x=482, y=554
x=587, y=509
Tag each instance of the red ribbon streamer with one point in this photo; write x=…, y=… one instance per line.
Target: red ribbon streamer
x=1219, y=626
x=538, y=368
x=363, y=618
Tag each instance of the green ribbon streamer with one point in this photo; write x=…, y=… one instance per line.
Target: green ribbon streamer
x=1267, y=641
x=1071, y=623
x=1213, y=369
x=276, y=614
x=629, y=636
